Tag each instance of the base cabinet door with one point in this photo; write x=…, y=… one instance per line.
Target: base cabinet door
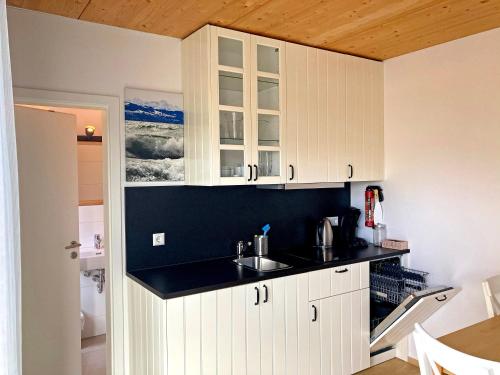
x=253, y=300
x=339, y=340
x=316, y=315
x=276, y=323
x=266, y=327
x=360, y=323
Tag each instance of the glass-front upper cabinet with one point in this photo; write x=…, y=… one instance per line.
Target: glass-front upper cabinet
x=232, y=64
x=247, y=99
x=267, y=109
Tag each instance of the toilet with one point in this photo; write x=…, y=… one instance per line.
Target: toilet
x=82, y=320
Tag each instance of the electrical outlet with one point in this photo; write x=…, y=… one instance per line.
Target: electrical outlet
x=334, y=220
x=158, y=239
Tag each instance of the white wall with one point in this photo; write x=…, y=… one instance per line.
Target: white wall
x=442, y=149
x=57, y=53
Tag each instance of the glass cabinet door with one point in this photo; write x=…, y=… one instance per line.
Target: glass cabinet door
x=267, y=108
x=233, y=105
x=268, y=59
x=230, y=52
x=231, y=163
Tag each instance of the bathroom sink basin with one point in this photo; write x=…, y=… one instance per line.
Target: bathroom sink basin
x=91, y=259
x=261, y=264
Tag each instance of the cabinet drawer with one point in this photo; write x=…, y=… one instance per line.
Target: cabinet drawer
x=338, y=280
x=345, y=279
x=319, y=284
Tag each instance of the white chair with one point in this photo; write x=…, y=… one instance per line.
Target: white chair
x=491, y=289
x=432, y=355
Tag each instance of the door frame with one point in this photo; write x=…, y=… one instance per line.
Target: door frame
x=113, y=141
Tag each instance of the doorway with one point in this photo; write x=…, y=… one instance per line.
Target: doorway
x=103, y=329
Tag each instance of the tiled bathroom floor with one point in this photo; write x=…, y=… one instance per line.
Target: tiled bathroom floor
x=94, y=355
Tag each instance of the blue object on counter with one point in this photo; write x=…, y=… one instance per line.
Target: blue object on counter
x=266, y=229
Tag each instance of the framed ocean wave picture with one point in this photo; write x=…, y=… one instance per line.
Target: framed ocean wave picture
x=154, y=137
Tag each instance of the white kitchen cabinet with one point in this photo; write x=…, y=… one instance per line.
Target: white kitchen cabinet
x=262, y=111
x=338, y=280
x=319, y=284
x=303, y=316
x=253, y=328
x=234, y=108
x=263, y=328
x=224, y=332
x=339, y=333
x=315, y=115
x=266, y=346
x=175, y=336
x=350, y=277
x=192, y=330
x=268, y=103
x=147, y=327
x=364, y=118
x=208, y=316
x=334, y=117
x=238, y=342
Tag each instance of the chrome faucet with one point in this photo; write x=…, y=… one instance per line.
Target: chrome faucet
x=241, y=247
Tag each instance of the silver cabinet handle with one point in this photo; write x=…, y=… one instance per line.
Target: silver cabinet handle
x=72, y=245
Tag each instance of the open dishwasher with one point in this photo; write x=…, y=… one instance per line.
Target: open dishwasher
x=399, y=298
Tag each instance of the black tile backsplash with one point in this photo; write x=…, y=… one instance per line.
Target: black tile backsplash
x=206, y=222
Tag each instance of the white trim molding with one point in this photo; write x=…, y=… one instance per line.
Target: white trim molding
x=113, y=206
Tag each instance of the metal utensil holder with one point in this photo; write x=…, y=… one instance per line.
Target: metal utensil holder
x=260, y=245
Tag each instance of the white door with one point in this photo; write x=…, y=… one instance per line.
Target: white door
x=48, y=193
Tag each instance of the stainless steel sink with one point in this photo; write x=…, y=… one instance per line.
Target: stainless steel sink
x=261, y=264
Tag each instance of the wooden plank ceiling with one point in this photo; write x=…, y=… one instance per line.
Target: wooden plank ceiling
x=377, y=29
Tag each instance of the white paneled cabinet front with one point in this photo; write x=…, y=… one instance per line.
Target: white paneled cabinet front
x=262, y=111
x=334, y=116
x=234, y=108
x=364, y=118
x=339, y=333
x=315, y=128
x=266, y=328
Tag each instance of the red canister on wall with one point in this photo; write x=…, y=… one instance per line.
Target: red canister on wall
x=369, y=207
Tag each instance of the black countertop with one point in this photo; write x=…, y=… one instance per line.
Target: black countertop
x=191, y=278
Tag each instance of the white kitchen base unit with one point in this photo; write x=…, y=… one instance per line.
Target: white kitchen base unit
x=270, y=327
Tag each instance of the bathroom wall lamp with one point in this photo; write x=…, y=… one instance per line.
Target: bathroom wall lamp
x=89, y=135
x=89, y=130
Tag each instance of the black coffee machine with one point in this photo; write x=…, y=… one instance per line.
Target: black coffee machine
x=346, y=231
